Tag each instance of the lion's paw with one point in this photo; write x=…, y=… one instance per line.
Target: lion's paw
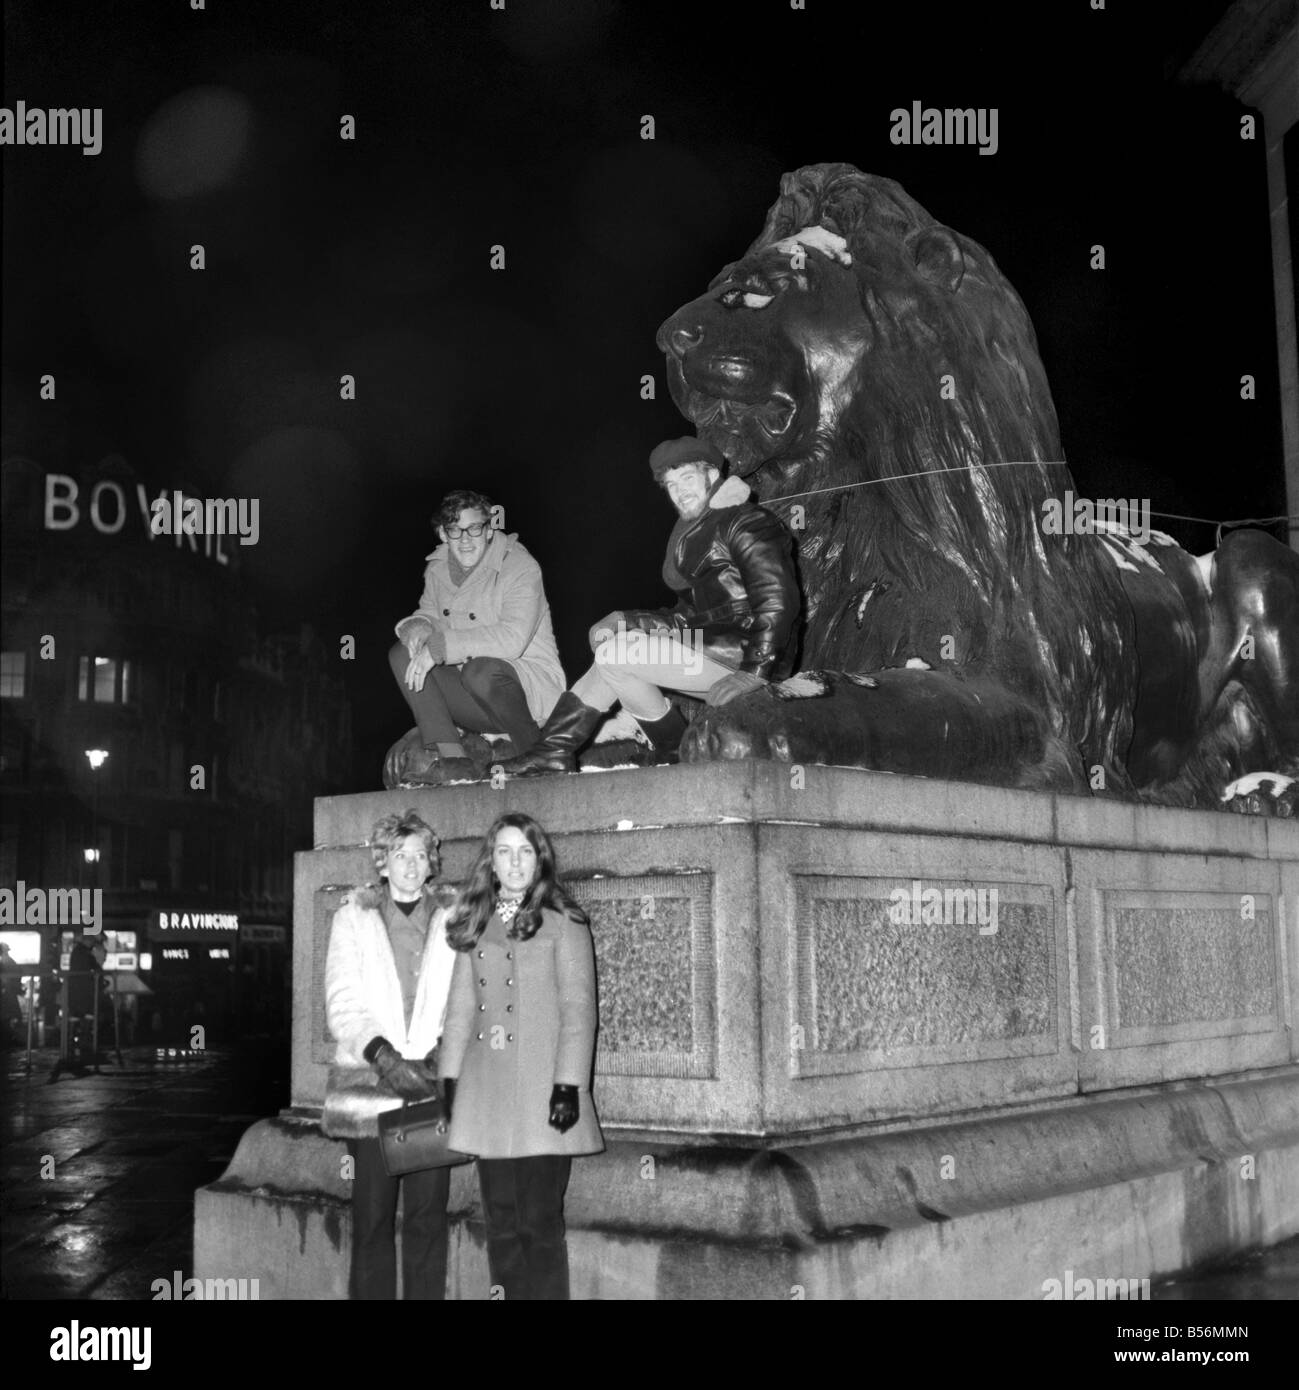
x=1263, y=794
x=712, y=739
x=757, y=726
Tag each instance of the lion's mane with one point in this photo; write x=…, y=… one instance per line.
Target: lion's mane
x=1045, y=615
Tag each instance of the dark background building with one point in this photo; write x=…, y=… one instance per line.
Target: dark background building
x=217, y=738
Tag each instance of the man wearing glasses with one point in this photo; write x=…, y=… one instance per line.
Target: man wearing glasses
x=479, y=653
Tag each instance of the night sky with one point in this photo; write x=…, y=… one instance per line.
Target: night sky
x=477, y=127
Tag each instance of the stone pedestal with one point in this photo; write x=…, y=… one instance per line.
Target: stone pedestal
x=1077, y=1047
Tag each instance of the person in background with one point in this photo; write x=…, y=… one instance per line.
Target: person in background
x=11, y=989
x=517, y=1051
x=479, y=652
x=83, y=979
x=387, y=973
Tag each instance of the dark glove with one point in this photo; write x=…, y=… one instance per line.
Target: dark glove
x=429, y=1065
x=563, y=1107
x=448, y=1094
x=407, y=1079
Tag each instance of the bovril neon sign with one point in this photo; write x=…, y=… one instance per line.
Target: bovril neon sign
x=106, y=508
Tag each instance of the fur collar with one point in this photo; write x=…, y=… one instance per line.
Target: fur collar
x=372, y=895
x=732, y=492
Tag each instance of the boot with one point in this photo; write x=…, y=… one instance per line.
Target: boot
x=427, y=767
x=570, y=724
x=665, y=735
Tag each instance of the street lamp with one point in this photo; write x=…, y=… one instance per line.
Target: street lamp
x=96, y=757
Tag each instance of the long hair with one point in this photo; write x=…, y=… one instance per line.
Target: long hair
x=471, y=914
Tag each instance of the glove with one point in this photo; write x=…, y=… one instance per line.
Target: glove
x=729, y=687
x=563, y=1108
x=429, y=1065
x=407, y=1079
x=448, y=1094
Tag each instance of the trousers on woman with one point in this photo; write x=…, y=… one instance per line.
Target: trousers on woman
x=523, y=1206
x=423, y=1228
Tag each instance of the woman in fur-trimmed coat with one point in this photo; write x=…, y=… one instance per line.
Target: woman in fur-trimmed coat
x=387, y=974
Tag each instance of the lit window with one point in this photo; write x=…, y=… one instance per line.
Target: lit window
x=104, y=679
x=13, y=675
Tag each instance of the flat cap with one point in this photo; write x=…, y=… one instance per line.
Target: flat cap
x=675, y=453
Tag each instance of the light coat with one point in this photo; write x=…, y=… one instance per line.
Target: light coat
x=363, y=1000
x=500, y=610
x=521, y=1019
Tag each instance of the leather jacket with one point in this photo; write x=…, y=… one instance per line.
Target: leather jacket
x=742, y=591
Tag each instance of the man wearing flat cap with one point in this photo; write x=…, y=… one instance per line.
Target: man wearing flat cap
x=733, y=629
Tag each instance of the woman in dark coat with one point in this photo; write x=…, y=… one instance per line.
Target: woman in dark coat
x=517, y=1049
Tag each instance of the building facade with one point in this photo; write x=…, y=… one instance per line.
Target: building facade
x=146, y=647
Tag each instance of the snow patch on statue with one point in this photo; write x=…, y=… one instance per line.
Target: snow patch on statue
x=1255, y=782
x=817, y=239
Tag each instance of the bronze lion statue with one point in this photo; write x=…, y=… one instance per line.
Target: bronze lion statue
x=876, y=379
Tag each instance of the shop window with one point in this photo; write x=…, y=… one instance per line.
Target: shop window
x=13, y=675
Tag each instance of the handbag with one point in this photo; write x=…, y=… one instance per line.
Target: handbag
x=415, y=1137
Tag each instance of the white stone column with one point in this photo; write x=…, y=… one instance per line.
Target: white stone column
x=1253, y=52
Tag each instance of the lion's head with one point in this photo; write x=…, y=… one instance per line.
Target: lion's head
x=836, y=317
x=859, y=341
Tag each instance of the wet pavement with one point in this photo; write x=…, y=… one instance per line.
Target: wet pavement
x=99, y=1174
x=99, y=1171
x=1259, y=1277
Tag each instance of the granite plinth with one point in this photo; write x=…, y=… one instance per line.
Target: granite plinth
x=860, y=1036
x=755, y=978
x=1115, y=1189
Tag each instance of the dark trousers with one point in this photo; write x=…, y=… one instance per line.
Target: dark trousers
x=423, y=1228
x=484, y=696
x=523, y=1205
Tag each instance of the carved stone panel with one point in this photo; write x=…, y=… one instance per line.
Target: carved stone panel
x=656, y=971
x=885, y=981
x=1189, y=965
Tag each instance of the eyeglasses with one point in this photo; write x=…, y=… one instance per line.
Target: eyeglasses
x=455, y=532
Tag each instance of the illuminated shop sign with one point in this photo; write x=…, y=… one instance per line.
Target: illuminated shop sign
x=106, y=508
x=198, y=921
x=193, y=928
x=22, y=947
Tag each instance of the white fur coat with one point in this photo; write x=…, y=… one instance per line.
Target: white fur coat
x=363, y=1000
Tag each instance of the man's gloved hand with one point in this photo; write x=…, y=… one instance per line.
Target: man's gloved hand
x=407, y=1079
x=563, y=1108
x=730, y=687
x=448, y=1094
